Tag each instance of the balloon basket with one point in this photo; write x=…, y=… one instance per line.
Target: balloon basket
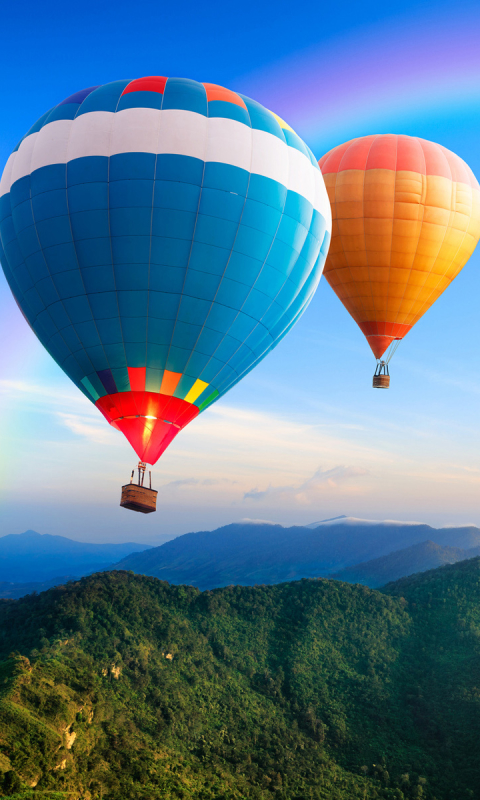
x=381, y=379
x=136, y=496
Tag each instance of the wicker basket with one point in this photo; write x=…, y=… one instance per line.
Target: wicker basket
x=139, y=498
x=381, y=381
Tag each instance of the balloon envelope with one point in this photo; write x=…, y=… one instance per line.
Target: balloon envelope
x=160, y=237
x=406, y=218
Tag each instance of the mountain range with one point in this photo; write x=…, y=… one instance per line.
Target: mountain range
x=251, y=553
x=34, y=557
x=246, y=553
x=123, y=686
x=401, y=563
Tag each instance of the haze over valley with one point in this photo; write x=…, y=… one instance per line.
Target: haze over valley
x=246, y=553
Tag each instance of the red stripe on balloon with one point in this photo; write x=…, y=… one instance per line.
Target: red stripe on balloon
x=152, y=84
x=215, y=92
x=137, y=376
x=400, y=153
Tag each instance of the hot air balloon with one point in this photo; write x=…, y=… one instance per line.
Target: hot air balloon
x=161, y=236
x=406, y=219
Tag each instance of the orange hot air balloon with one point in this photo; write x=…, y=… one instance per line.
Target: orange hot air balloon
x=406, y=219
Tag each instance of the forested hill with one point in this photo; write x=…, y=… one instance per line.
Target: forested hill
x=121, y=686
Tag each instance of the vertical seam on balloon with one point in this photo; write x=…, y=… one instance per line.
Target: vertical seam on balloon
x=272, y=345
x=16, y=233
x=447, y=226
x=216, y=292
x=268, y=332
x=417, y=316
x=74, y=243
x=133, y=393
x=193, y=234
x=422, y=205
x=249, y=292
x=110, y=230
x=364, y=232
x=340, y=239
x=15, y=155
x=12, y=276
x=288, y=326
x=274, y=341
x=16, y=236
x=453, y=212
x=51, y=278
x=212, y=302
x=287, y=278
x=259, y=322
x=393, y=224
x=420, y=313
x=151, y=233
x=152, y=427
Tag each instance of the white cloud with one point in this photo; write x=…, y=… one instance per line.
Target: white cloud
x=281, y=442
x=179, y=484
x=87, y=427
x=40, y=393
x=308, y=491
x=233, y=459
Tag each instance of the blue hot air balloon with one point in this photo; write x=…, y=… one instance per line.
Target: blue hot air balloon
x=161, y=236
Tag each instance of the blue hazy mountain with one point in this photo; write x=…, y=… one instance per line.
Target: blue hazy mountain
x=13, y=591
x=247, y=553
x=250, y=553
x=33, y=557
x=402, y=563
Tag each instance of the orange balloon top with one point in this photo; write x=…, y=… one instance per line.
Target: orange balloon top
x=406, y=219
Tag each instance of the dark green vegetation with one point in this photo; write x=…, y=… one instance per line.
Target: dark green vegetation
x=249, y=554
x=120, y=686
x=417, y=558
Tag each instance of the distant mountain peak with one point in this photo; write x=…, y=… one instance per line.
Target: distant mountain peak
x=344, y=520
x=324, y=521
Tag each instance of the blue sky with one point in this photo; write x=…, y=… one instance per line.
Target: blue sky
x=304, y=436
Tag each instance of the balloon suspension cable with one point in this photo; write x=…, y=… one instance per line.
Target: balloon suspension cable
x=391, y=351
